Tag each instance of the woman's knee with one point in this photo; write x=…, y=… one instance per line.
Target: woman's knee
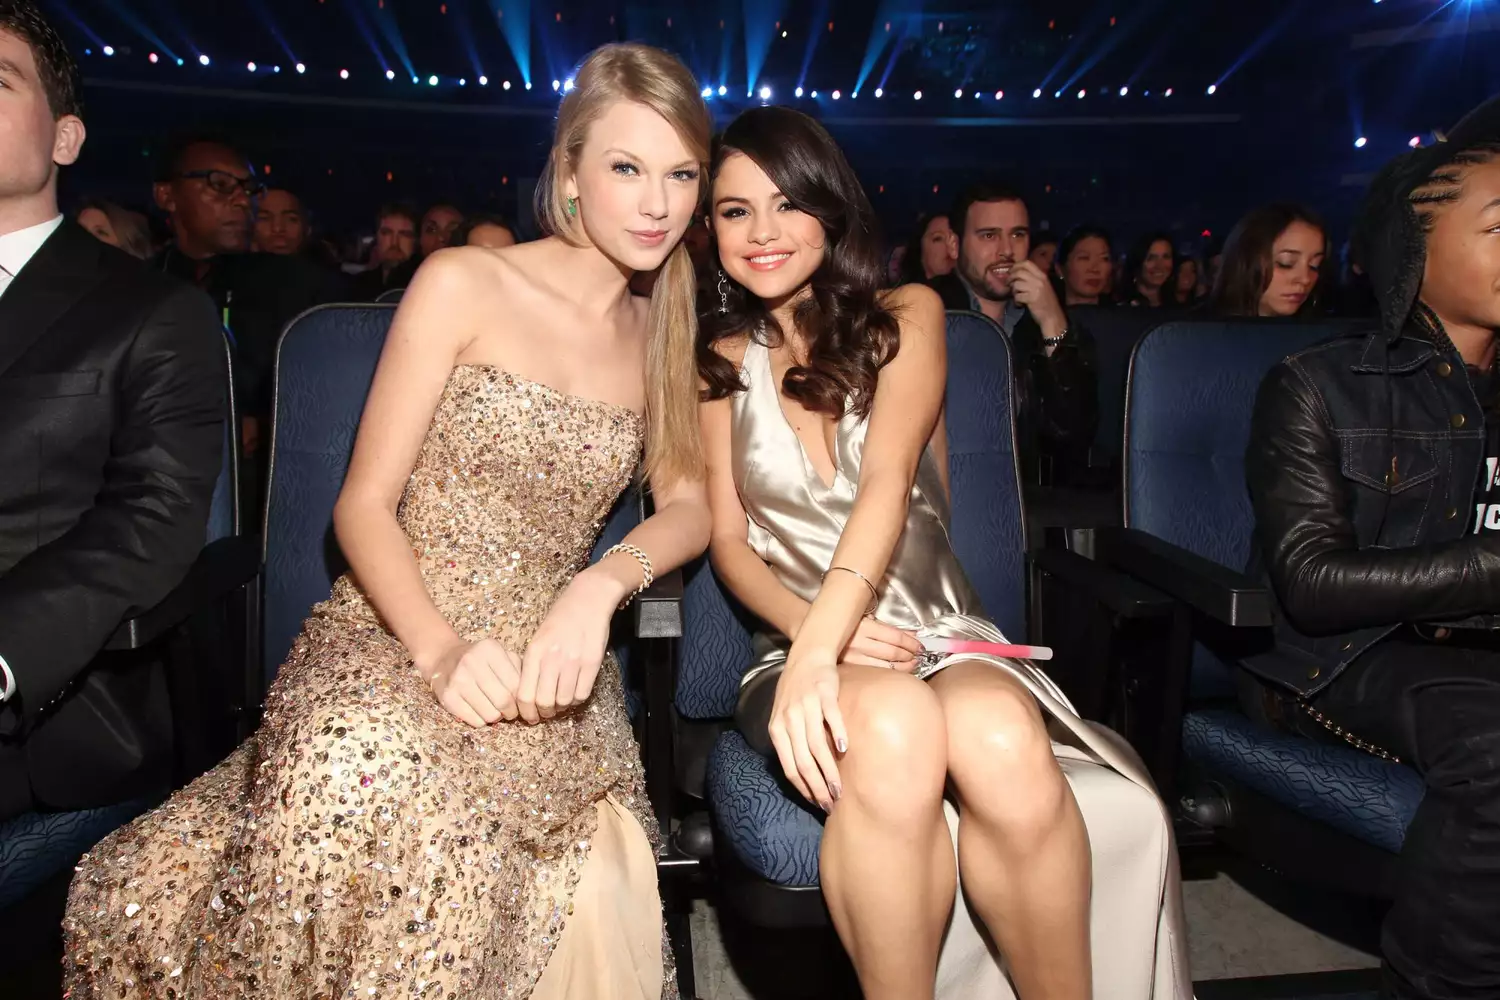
x=1000, y=756
x=896, y=759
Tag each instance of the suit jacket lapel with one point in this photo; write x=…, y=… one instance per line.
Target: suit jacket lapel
x=60, y=274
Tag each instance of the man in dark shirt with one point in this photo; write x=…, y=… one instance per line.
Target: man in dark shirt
x=393, y=259
x=207, y=189
x=1058, y=411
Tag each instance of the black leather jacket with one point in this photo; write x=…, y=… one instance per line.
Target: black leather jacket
x=1351, y=558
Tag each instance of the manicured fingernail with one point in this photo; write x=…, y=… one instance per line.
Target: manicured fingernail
x=827, y=806
x=843, y=745
x=837, y=790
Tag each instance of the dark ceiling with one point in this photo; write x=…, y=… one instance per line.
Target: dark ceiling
x=1296, y=83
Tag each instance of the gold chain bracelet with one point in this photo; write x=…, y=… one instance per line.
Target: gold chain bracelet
x=647, y=573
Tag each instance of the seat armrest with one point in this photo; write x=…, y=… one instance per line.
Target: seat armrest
x=1122, y=595
x=221, y=568
x=1225, y=595
x=658, y=610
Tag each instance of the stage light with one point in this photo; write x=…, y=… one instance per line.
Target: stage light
x=109, y=50
x=999, y=95
x=917, y=96
x=837, y=95
x=1167, y=92
x=275, y=69
x=568, y=85
x=250, y=67
x=879, y=92
x=1416, y=141
x=152, y=58
x=556, y=84
x=528, y=84
x=463, y=82
x=1124, y=91
x=484, y=81
x=815, y=95
x=416, y=80
x=723, y=90
x=343, y=74
x=390, y=74
x=432, y=81
x=203, y=60
x=1057, y=93
x=301, y=68
x=179, y=60
x=1081, y=93
x=958, y=93
x=854, y=96
x=1036, y=93
x=798, y=91
x=765, y=93
x=708, y=92
x=1213, y=88
x=977, y=95
x=783, y=34
x=1360, y=142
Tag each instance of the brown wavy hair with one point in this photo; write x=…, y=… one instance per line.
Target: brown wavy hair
x=850, y=335
x=1245, y=273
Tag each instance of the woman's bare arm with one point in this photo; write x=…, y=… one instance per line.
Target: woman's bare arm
x=908, y=403
x=431, y=328
x=743, y=571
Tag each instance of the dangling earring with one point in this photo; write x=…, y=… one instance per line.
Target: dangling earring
x=723, y=292
x=573, y=207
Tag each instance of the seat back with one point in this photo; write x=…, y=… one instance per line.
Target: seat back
x=224, y=507
x=1191, y=389
x=324, y=365
x=1115, y=332
x=988, y=529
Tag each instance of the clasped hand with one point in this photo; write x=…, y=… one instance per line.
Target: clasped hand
x=483, y=682
x=806, y=710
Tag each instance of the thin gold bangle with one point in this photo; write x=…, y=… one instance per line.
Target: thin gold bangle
x=874, y=594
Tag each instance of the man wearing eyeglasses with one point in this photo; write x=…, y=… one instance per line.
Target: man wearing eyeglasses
x=208, y=191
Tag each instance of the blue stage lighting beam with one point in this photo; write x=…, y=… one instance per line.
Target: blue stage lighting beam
x=385, y=21
x=1276, y=27
x=761, y=19
x=879, y=39
x=814, y=36
x=362, y=25
x=459, y=14
x=515, y=24
x=78, y=22
x=139, y=27
x=1128, y=27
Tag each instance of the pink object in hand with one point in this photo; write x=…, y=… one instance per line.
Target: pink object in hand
x=949, y=647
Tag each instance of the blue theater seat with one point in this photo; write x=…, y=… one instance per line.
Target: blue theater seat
x=766, y=836
x=1322, y=810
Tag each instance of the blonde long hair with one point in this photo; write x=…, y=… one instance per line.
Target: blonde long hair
x=659, y=81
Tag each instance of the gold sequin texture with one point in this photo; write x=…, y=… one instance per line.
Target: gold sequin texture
x=364, y=843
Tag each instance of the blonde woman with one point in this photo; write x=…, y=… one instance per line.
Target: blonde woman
x=444, y=799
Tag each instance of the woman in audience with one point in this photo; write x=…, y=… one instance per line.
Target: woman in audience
x=444, y=799
x=491, y=231
x=927, y=255
x=827, y=471
x=1186, y=281
x=1272, y=261
x=1083, y=266
x=1148, y=273
x=119, y=227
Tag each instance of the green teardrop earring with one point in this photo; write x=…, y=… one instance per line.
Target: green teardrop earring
x=573, y=207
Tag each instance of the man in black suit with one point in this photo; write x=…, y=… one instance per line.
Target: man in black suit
x=111, y=434
x=1058, y=409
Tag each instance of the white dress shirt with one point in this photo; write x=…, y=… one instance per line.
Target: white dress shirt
x=19, y=247
x=16, y=249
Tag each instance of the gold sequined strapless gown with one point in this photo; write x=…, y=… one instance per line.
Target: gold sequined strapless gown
x=364, y=843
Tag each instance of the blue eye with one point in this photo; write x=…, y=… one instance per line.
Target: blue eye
x=685, y=175
x=624, y=168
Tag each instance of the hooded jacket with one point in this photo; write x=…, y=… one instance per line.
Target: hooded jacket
x=1364, y=456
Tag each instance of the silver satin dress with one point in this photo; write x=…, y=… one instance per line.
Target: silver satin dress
x=1138, y=941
